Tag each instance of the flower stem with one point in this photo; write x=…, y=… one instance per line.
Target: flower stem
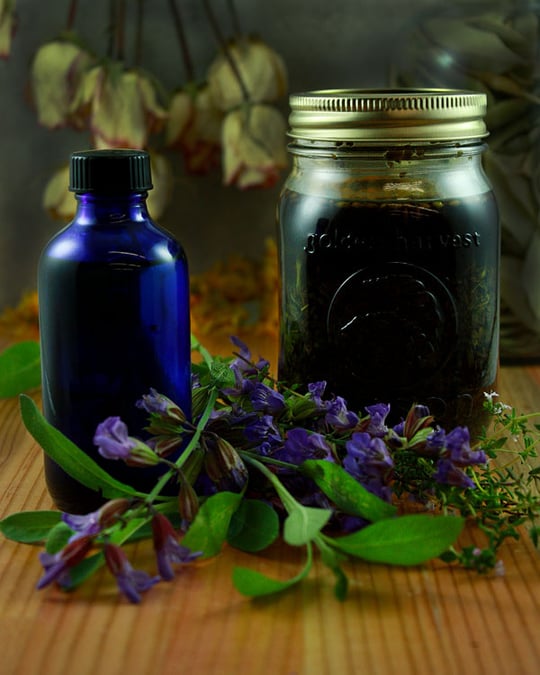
x=72, y=12
x=139, y=23
x=237, y=29
x=193, y=443
x=225, y=49
x=289, y=502
x=117, y=15
x=196, y=346
x=181, y=34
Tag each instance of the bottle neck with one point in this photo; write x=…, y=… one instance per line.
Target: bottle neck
x=110, y=209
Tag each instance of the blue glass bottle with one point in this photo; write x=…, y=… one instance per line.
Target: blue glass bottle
x=114, y=316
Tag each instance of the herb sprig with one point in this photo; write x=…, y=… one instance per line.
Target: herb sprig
x=261, y=461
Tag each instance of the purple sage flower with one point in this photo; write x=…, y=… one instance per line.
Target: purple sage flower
x=377, y=419
x=243, y=367
x=316, y=389
x=131, y=582
x=158, y=404
x=301, y=444
x=167, y=548
x=57, y=565
x=449, y=474
x=435, y=442
x=112, y=439
x=265, y=399
x=458, y=445
x=370, y=462
x=262, y=430
x=113, y=442
x=338, y=416
x=93, y=523
x=83, y=525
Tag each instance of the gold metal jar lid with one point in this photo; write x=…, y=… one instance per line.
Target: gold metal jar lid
x=388, y=115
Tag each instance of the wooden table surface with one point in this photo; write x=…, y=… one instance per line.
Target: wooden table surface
x=428, y=619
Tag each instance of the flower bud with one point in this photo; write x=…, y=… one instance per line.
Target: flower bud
x=188, y=502
x=110, y=511
x=223, y=464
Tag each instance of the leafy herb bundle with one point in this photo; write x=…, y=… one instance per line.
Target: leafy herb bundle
x=260, y=461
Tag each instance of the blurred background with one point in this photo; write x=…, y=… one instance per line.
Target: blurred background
x=345, y=43
x=486, y=45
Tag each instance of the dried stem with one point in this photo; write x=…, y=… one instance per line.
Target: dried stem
x=120, y=29
x=182, y=41
x=117, y=15
x=235, y=19
x=72, y=11
x=225, y=48
x=139, y=22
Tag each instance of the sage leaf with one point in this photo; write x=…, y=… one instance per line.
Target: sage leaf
x=81, y=572
x=29, y=527
x=20, y=369
x=73, y=460
x=253, y=527
x=304, y=523
x=255, y=584
x=58, y=537
x=208, y=531
x=407, y=540
x=346, y=493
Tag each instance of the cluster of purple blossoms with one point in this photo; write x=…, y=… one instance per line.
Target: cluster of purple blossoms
x=454, y=453
x=284, y=430
x=85, y=540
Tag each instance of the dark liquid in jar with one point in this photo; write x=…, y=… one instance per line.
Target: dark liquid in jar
x=392, y=301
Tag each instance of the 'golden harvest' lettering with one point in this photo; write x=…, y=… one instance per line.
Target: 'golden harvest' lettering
x=414, y=242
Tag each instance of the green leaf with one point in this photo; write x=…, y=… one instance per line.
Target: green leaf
x=407, y=540
x=73, y=460
x=304, y=523
x=84, y=570
x=58, y=537
x=254, y=584
x=208, y=531
x=254, y=526
x=346, y=493
x=20, y=368
x=29, y=527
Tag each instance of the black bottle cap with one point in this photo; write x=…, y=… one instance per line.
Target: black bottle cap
x=111, y=171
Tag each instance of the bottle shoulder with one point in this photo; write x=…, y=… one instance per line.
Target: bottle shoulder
x=142, y=241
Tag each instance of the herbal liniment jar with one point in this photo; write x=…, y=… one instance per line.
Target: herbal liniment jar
x=389, y=251
x=114, y=317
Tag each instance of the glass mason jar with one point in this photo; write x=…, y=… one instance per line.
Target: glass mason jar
x=493, y=46
x=389, y=251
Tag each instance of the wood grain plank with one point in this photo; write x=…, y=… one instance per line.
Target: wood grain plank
x=425, y=619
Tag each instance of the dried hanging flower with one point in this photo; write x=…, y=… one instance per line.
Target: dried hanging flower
x=194, y=126
x=253, y=146
x=260, y=68
x=159, y=196
x=57, y=201
x=7, y=26
x=121, y=106
x=56, y=73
